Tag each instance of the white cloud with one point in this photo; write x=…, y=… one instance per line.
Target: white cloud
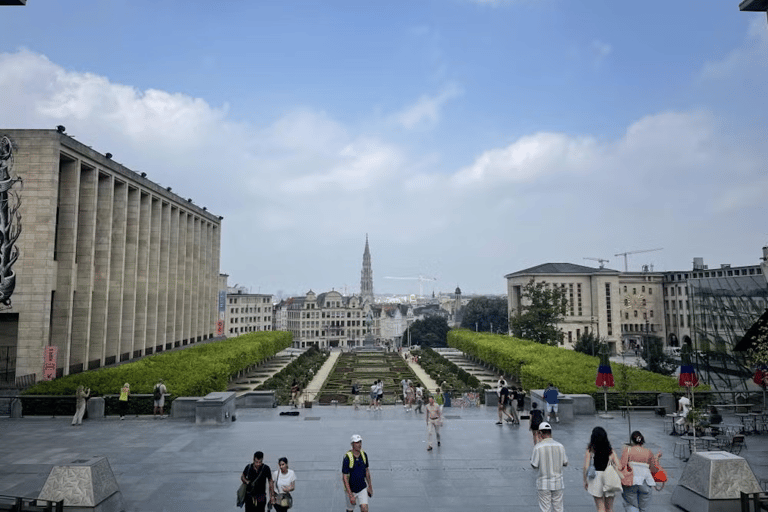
x=308, y=187
x=527, y=160
x=744, y=60
x=426, y=111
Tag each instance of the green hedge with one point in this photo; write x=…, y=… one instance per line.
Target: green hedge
x=302, y=369
x=537, y=364
x=194, y=371
x=441, y=369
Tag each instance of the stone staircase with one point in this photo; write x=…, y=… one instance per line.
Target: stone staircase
x=250, y=379
x=457, y=357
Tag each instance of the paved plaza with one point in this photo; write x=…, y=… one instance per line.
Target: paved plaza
x=173, y=465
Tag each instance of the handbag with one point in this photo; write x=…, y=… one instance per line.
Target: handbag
x=611, y=480
x=591, y=472
x=660, y=476
x=284, y=499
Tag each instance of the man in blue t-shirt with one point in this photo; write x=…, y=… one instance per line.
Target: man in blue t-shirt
x=356, y=477
x=551, y=396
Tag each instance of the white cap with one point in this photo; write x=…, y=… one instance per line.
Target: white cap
x=356, y=438
x=545, y=426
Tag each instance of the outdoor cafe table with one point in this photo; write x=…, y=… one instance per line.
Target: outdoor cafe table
x=748, y=421
x=708, y=440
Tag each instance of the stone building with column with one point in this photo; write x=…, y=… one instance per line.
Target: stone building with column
x=108, y=265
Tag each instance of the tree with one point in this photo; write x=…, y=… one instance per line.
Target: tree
x=486, y=314
x=431, y=331
x=589, y=344
x=542, y=308
x=655, y=359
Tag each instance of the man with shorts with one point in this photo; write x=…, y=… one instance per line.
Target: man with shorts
x=503, y=402
x=551, y=396
x=356, y=476
x=158, y=395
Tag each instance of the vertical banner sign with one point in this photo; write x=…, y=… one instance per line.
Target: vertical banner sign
x=222, y=309
x=49, y=362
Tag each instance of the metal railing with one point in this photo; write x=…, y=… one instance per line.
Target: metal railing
x=22, y=504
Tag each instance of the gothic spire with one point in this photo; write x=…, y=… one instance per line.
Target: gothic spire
x=366, y=275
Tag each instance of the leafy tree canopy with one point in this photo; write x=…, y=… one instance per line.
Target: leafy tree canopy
x=486, y=314
x=655, y=359
x=589, y=344
x=542, y=308
x=431, y=331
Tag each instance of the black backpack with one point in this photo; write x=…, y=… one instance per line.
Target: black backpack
x=157, y=393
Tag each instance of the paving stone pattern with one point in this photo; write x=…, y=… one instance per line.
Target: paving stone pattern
x=168, y=465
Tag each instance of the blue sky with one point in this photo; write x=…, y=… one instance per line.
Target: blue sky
x=468, y=139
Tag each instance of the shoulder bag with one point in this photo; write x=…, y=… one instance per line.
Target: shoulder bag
x=284, y=499
x=611, y=480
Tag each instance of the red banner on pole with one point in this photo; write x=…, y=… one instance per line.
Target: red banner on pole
x=50, y=355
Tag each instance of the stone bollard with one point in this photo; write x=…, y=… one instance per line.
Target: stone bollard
x=95, y=408
x=16, y=408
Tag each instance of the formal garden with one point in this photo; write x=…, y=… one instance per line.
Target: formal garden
x=364, y=368
x=301, y=370
x=457, y=380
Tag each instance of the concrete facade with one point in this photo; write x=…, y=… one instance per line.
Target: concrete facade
x=111, y=266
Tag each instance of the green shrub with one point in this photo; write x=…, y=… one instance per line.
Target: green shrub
x=194, y=371
x=537, y=365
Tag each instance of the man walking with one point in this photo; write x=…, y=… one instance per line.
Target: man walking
x=356, y=476
x=549, y=458
x=158, y=394
x=434, y=421
x=551, y=395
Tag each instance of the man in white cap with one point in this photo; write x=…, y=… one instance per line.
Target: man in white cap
x=356, y=477
x=549, y=458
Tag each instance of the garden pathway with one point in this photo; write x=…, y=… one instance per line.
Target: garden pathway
x=310, y=393
x=425, y=379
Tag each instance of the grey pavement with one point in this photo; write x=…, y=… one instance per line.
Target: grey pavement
x=173, y=465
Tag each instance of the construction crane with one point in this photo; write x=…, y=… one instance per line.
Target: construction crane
x=634, y=252
x=601, y=260
x=420, y=279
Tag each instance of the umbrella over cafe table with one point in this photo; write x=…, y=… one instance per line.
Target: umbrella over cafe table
x=604, y=376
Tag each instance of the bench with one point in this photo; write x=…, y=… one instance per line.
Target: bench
x=19, y=504
x=660, y=410
x=754, y=501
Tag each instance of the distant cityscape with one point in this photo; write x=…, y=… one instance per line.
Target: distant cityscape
x=111, y=266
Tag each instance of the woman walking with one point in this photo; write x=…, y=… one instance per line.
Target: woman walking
x=285, y=482
x=599, y=453
x=123, y=400
x=638, y=482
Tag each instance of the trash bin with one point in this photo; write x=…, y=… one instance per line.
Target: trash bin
x=667, y=401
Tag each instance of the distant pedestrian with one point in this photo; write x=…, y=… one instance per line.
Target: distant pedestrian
x=158, y=395
x=285, y=482
x=446, y=394
x=502, y=406
x=258, y=479
x=434, y=419
x=379, y=394
x=122, y=402
x=81, y=395
x=552, y=397
x=536, y=418
x=549, y=458
x=520, y=402
x=295, y=389
x=600, y=453
x=356, y=395
x=374, y=394
x=439, y=396
x=356, y=477
x=419, y=398
x=410, y=396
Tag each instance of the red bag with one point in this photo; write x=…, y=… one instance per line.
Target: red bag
x=660, y=476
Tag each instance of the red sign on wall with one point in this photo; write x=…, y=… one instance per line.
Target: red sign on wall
x=50, y=355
